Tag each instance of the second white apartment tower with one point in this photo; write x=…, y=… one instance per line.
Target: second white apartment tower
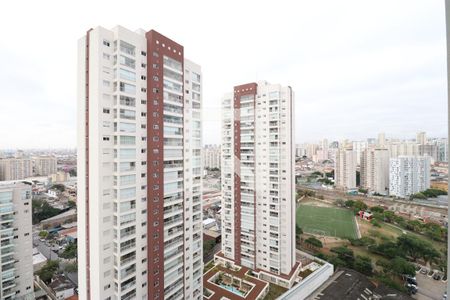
x=139, y=167
x=258, y=190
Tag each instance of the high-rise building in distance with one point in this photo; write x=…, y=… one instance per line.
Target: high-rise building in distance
x=16, y=260
x=139, y=167
x=211, y=157
x=44, y=165
x=409, y=175
x=15, y=168
x=375, y=170
x=345, y=168
x=258, y=184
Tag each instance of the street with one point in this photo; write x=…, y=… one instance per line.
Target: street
x=52, y=255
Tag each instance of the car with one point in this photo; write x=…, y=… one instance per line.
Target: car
x=436, y=276
x=411, y=281
x=411, y=288
x=424, y=271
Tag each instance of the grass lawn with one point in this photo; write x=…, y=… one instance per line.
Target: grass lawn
x=327, y=221
x=275, y=291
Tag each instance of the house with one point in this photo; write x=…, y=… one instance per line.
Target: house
x=366, y=215
x=62, y=287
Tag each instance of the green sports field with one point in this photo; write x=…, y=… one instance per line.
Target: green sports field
x=326, y=221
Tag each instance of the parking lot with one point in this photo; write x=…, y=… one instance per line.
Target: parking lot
x=429, y=288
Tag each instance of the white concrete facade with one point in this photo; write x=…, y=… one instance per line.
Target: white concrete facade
x=258, y=216
x=345, y=168
x=16, y=261
x=375, y=170
x=114, y=179
x=211, y=157
x=409, y=175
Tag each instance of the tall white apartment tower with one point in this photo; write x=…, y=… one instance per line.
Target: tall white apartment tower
x=16, y=260
x=139, y=167
x=421, y=138
x=258, y=190
x=345, y=168
x=375, y=170
x=409, y=175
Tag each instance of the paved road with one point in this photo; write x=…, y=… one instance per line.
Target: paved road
x=52, y=255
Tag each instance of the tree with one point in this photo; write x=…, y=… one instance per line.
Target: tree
x=43, y=234
x=363, y=264
x=59, y=187
x=208, y=246
x=359, y=205
x=71, y=268
x=344, y=254
x=48, y=270
x=349, y=203
x=70, y=251
x=71, y=204
x=400, y=266
x=377, y=209
x=73, y=173
x=313, y=242
x=375, y=223
x=42, y=210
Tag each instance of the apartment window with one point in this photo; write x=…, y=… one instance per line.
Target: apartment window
x=106, y=56
x=127, y=75
x=155, y=66
x=126, y=61
x=155, y=78
x=144, y=77
x=106, y=138
x=143, y=65
x=127, y=48
x=106, y=43
x=106, y=110
x=155, y=54
x=143, y=101
x=143, y=53
x=127, y=88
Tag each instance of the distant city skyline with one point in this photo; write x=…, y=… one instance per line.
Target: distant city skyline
x=356, y=67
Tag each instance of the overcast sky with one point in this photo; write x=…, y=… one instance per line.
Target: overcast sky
x=357, y=67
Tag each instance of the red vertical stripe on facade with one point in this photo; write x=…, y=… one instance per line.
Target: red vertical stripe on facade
x=86, y=132
x=158, y=46
x=240, y=90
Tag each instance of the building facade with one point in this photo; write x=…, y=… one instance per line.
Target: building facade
x=211, y=157
x=345, y=168
x=409, y=175
x=375, y=170
x=44, y=165
x=15, y=168
x=139, y=167
x=16, y=246
x=258, y=184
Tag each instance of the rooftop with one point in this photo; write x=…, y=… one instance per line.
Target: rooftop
x=347, y=284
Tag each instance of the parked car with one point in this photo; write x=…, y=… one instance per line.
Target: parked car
x=424, y=271
x=411, y=281
x=436, y=276
x=411, y=288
